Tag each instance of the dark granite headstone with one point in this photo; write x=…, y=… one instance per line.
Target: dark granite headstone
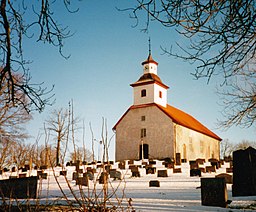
x=214, y=192
x=244, y=172
x=154, y=183
x=20, y=188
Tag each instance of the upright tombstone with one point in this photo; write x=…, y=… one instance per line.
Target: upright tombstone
x=244, y=172
x=178, y=159
x=214, y=192
x=20, y=188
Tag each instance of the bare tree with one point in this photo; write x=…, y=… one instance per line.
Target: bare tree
x=226, y=148
x=244, y=144
x=220, y=40
x=15, y=27
x=81, y=154
x=59, y=124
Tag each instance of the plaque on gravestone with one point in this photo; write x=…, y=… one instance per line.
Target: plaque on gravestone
x=214, y=192
x=244, y=172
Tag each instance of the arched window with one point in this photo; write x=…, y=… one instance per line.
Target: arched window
x=143, y=93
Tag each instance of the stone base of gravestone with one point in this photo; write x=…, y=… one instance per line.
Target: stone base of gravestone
x=162, y=173
x=214, y=192
x=244, y=172
x=228, y=178
x=19, y=188
x=195, y=172
x=154, y=183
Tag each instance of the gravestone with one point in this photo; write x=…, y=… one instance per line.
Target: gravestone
x=228, y=178
x=63, y=173
x=103, y=178
x=210, y=169
x=214, y=192
x=136, y=174
x=83, y=181
x=193, y=164
x=200, y=161
x=74, y=175
x=162, y=173
x=244, y=172
x=20, y=188
x=150, y=170
x=89, y=174
x=195, y=172
x=177, y=170
x=154, y=183
x=178, y=159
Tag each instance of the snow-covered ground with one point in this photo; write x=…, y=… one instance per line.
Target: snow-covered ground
x=177, y=192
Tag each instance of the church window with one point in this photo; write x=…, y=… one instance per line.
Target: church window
x=143, y=92
x=143, y=118
x=160, y=94
x=143, y=133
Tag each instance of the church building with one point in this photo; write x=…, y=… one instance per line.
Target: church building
x=153, y=129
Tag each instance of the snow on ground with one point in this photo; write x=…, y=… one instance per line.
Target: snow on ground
x=177, y=192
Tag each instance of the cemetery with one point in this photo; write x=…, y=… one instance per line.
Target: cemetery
x=137, y=185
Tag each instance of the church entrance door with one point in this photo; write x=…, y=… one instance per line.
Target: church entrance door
x=144, y=149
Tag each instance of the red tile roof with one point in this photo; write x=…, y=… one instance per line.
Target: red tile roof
x=179, y=117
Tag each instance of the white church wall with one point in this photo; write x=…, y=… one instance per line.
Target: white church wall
x=159, y=134
x=161, y=100
x=149, y=98
x=193, y=145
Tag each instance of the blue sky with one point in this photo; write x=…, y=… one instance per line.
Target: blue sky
x=106, y=54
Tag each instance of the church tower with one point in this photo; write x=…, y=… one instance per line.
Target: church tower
x=149, y=88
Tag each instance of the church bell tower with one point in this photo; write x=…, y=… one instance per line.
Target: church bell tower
x=149, y=88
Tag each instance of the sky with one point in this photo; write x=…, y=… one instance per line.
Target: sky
x=106, y=52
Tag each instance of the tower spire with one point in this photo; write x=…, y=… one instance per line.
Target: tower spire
x=149, y=46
